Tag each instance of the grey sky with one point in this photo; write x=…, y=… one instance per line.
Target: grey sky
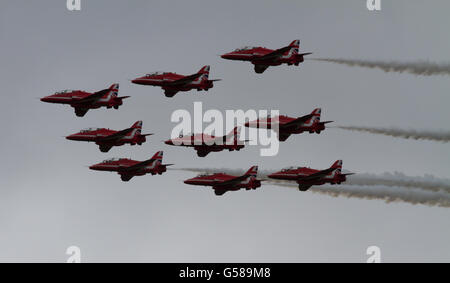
x=50, y=200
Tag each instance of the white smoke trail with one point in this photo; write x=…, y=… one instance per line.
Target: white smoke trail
x=379, y=192
x=427, y=182
x=423, y=68
x=399, y=133
x=390, y=187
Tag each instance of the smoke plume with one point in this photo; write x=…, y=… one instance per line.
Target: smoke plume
x=390, y=187
x=423, y=68
x=400, y=133
x=379, y=192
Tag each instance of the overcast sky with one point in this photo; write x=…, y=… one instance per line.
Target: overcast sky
x=50, y=200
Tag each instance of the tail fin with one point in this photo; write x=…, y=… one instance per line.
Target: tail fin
x=295, y=43
x=234, y=134
x=316, y=115
x=137, y=125
x=316, y=112
x=158, y=156
x=337, y=164
x=295, y=46
x=205, y=73
x=114, y=87
x=114, y=90
x=253, y=171
x=204, y=70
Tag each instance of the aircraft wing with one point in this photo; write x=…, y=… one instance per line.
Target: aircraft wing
x=283, y=136
x=93, y=97
x=185, y=80
x=138, y=166
x=117, y=136
x=231, y=182
x=296, y=122
x=316, y=176
x=303, y=187
x=275, y=54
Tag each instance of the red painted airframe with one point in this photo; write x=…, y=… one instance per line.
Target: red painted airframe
x=82, y=101
x=204, y=144
x=263, y=57
x=172, y=83
x=307, y=177
x=288, y=125
x=106, y=138
x=128, y=168
x=222, y=183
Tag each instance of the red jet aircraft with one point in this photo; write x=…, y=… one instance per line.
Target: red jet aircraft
x=205, y=144
x=106, y=138
x=263, y=57
x=307, y=177
x=128, y=168
x=172, y=83
x=83, y=101
x=222, y=183
x=288, y=125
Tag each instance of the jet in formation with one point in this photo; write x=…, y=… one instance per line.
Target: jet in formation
x=288, y=125
x=82, y=101
x=172, y=83
x=262, y=58
x=307, y=177
x=222, y=183
x=204, y=144
x=106, y=138
x=128, y=168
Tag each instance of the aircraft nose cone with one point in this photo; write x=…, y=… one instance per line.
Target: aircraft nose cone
x=94, y=167
x=45, y=99
x=247, y=124
x=74, y=137
x=188, y=181
x=169, y=142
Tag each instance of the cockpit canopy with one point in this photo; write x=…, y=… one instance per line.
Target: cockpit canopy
x=155, y=74
x=88, y=130
x=64, y=91
x=203, y=175
x=185, y=135
x=244, y=48
x=111, y=160
x=289, y=168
